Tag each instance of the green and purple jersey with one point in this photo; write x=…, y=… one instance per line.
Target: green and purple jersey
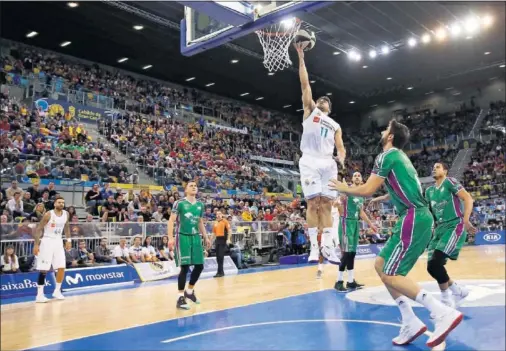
x=443, y=201
x=401, y=180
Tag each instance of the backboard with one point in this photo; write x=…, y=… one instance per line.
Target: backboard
x=208, y=24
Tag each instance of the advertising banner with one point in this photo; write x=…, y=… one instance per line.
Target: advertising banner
x=150, y=271
x=80, y=112
x=211, y=267
x=490, y=237
x=366, y=251
x=24, y=284
x=83, y=278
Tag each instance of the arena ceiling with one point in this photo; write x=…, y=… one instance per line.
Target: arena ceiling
x=103, y=33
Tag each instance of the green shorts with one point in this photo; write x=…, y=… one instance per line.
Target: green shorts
x=449, y=237
x=348, y=234
x=189, y=250
x=410, y=237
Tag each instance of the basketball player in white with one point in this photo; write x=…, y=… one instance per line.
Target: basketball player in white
x=51, y=251
x=317, y=165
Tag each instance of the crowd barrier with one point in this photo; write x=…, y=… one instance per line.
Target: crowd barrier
x=363, y=251
x=490, y=237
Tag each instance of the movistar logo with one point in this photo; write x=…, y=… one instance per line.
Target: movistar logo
x=78, y=278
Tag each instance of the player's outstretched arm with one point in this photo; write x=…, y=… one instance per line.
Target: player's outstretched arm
x=368, y=189
x=307, y=96
x=381, y=198
x=341, y=150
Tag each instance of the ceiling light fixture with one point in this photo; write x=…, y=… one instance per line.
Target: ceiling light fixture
x=450, y=88
x=300, y=109
x=426, y=38
x=209, y=85
x=373, y=53
x=328, y=94
x=352, y=102
x=190, y=79
x=336, y=53
x=391, y=101
x=259, y=98
x=286, y=106
x=234, y=61
x=65, y=43
x=487, y=21
x=312, y=81
x=486, y=53
x=441, y=34
x=138, y=27
x=365, y=66
x=412, y=42
x=270, y=73
x=244, y=94
x=72, y=4
x=375, y=105
x=32, y=34
x=389, y=78
x=502, y=66
x=456, y=29
x=410, y=88
x=123, y=59
x=385, y=50
x=147, y=67
x=429, y=92
x=471, y=24
x=354, y=56
x=469, y=37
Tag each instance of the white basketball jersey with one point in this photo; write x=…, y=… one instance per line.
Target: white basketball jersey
x=54, y=228
x=318, y=135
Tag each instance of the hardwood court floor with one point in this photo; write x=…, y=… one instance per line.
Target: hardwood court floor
x=28, y=325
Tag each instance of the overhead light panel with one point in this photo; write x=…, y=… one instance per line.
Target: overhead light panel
x=412, y=42
x=190, y=79
x=336, y=53
x=373, y=53
x=72, y=4
x=426, y=38
x=244, y=94
x=502, y=66
x=469, y=37
x=471, y=24
x=209, y=85
x=375, y=105
x=487, y=21
x=259, y=98
x=32, y=34
x=234, y=61
x=352, y=102
x=389, y=78
x=410, y=88
x=391, y=101
x=328, y=94
x=138, y=27
x=354, y=56
x=300, y=109
x=147, y=67
x=486, y=53
x=429, y=92
x=456, y=29
x=65, y=43
x=270, y=73
x=123, y=59
x=385, y=50
x=441, y=34
x=286, y=106
x=312, y=81
x=364, y=66
x=450, y=88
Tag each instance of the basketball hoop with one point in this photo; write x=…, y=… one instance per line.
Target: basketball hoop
x=275, y=41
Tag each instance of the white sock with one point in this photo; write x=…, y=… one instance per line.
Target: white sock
x=405, y=308
x=57, y=287
x=313, y=237
x=189, y=291
x=351, y=276
x=340, y=276
x=455, y=288
x=40, y=290
x=445, y=294
x=434, y=306
x=327, y=239
x=320, y=267
x=180, y=294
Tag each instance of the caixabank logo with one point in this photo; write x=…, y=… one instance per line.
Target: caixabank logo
x=18, y=286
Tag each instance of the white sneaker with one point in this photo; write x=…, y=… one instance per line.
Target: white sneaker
x=450, y=302
x=319, y=274
x=409, y=332
x=444, y=324
x=330, y=254
x=58, y=295
x=458, y=299
x=41, y=299
x=314, y=255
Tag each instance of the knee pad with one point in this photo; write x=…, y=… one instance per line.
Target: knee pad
x=436, y=267
x=42, y=279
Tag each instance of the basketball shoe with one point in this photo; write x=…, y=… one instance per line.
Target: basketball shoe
x=410, y=330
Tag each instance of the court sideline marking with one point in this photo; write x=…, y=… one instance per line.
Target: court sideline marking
x=171, y=319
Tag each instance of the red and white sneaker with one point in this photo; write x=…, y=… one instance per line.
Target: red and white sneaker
x=444, y=324
x=410, y=330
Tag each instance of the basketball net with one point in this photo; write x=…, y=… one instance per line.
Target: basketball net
x=276, y=41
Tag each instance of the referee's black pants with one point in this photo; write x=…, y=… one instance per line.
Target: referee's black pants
x=221, y=246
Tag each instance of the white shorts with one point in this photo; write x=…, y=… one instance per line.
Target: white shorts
x=51, y=253
x=315, y=174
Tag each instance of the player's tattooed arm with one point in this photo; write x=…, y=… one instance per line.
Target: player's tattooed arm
x=307, y=95
x=40, y=228
x=67, y=228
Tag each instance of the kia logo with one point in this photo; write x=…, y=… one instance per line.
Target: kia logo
x=492, y=237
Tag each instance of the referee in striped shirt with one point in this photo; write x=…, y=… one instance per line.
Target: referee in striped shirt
x=222, y=233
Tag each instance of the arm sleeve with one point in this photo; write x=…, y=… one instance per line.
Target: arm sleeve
x=455, y=185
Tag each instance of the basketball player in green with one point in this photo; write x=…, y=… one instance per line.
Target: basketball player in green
x=351, y=210
x=410, y=237
x=445, y=200
x=188, y=248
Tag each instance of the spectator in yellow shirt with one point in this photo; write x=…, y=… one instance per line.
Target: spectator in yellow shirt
x=246, y=215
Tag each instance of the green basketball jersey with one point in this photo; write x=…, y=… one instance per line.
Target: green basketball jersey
x=189, y=216
x=352, y=207
x=401, y=180
x=443, y=201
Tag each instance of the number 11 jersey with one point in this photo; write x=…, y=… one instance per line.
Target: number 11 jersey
x=318, y=136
